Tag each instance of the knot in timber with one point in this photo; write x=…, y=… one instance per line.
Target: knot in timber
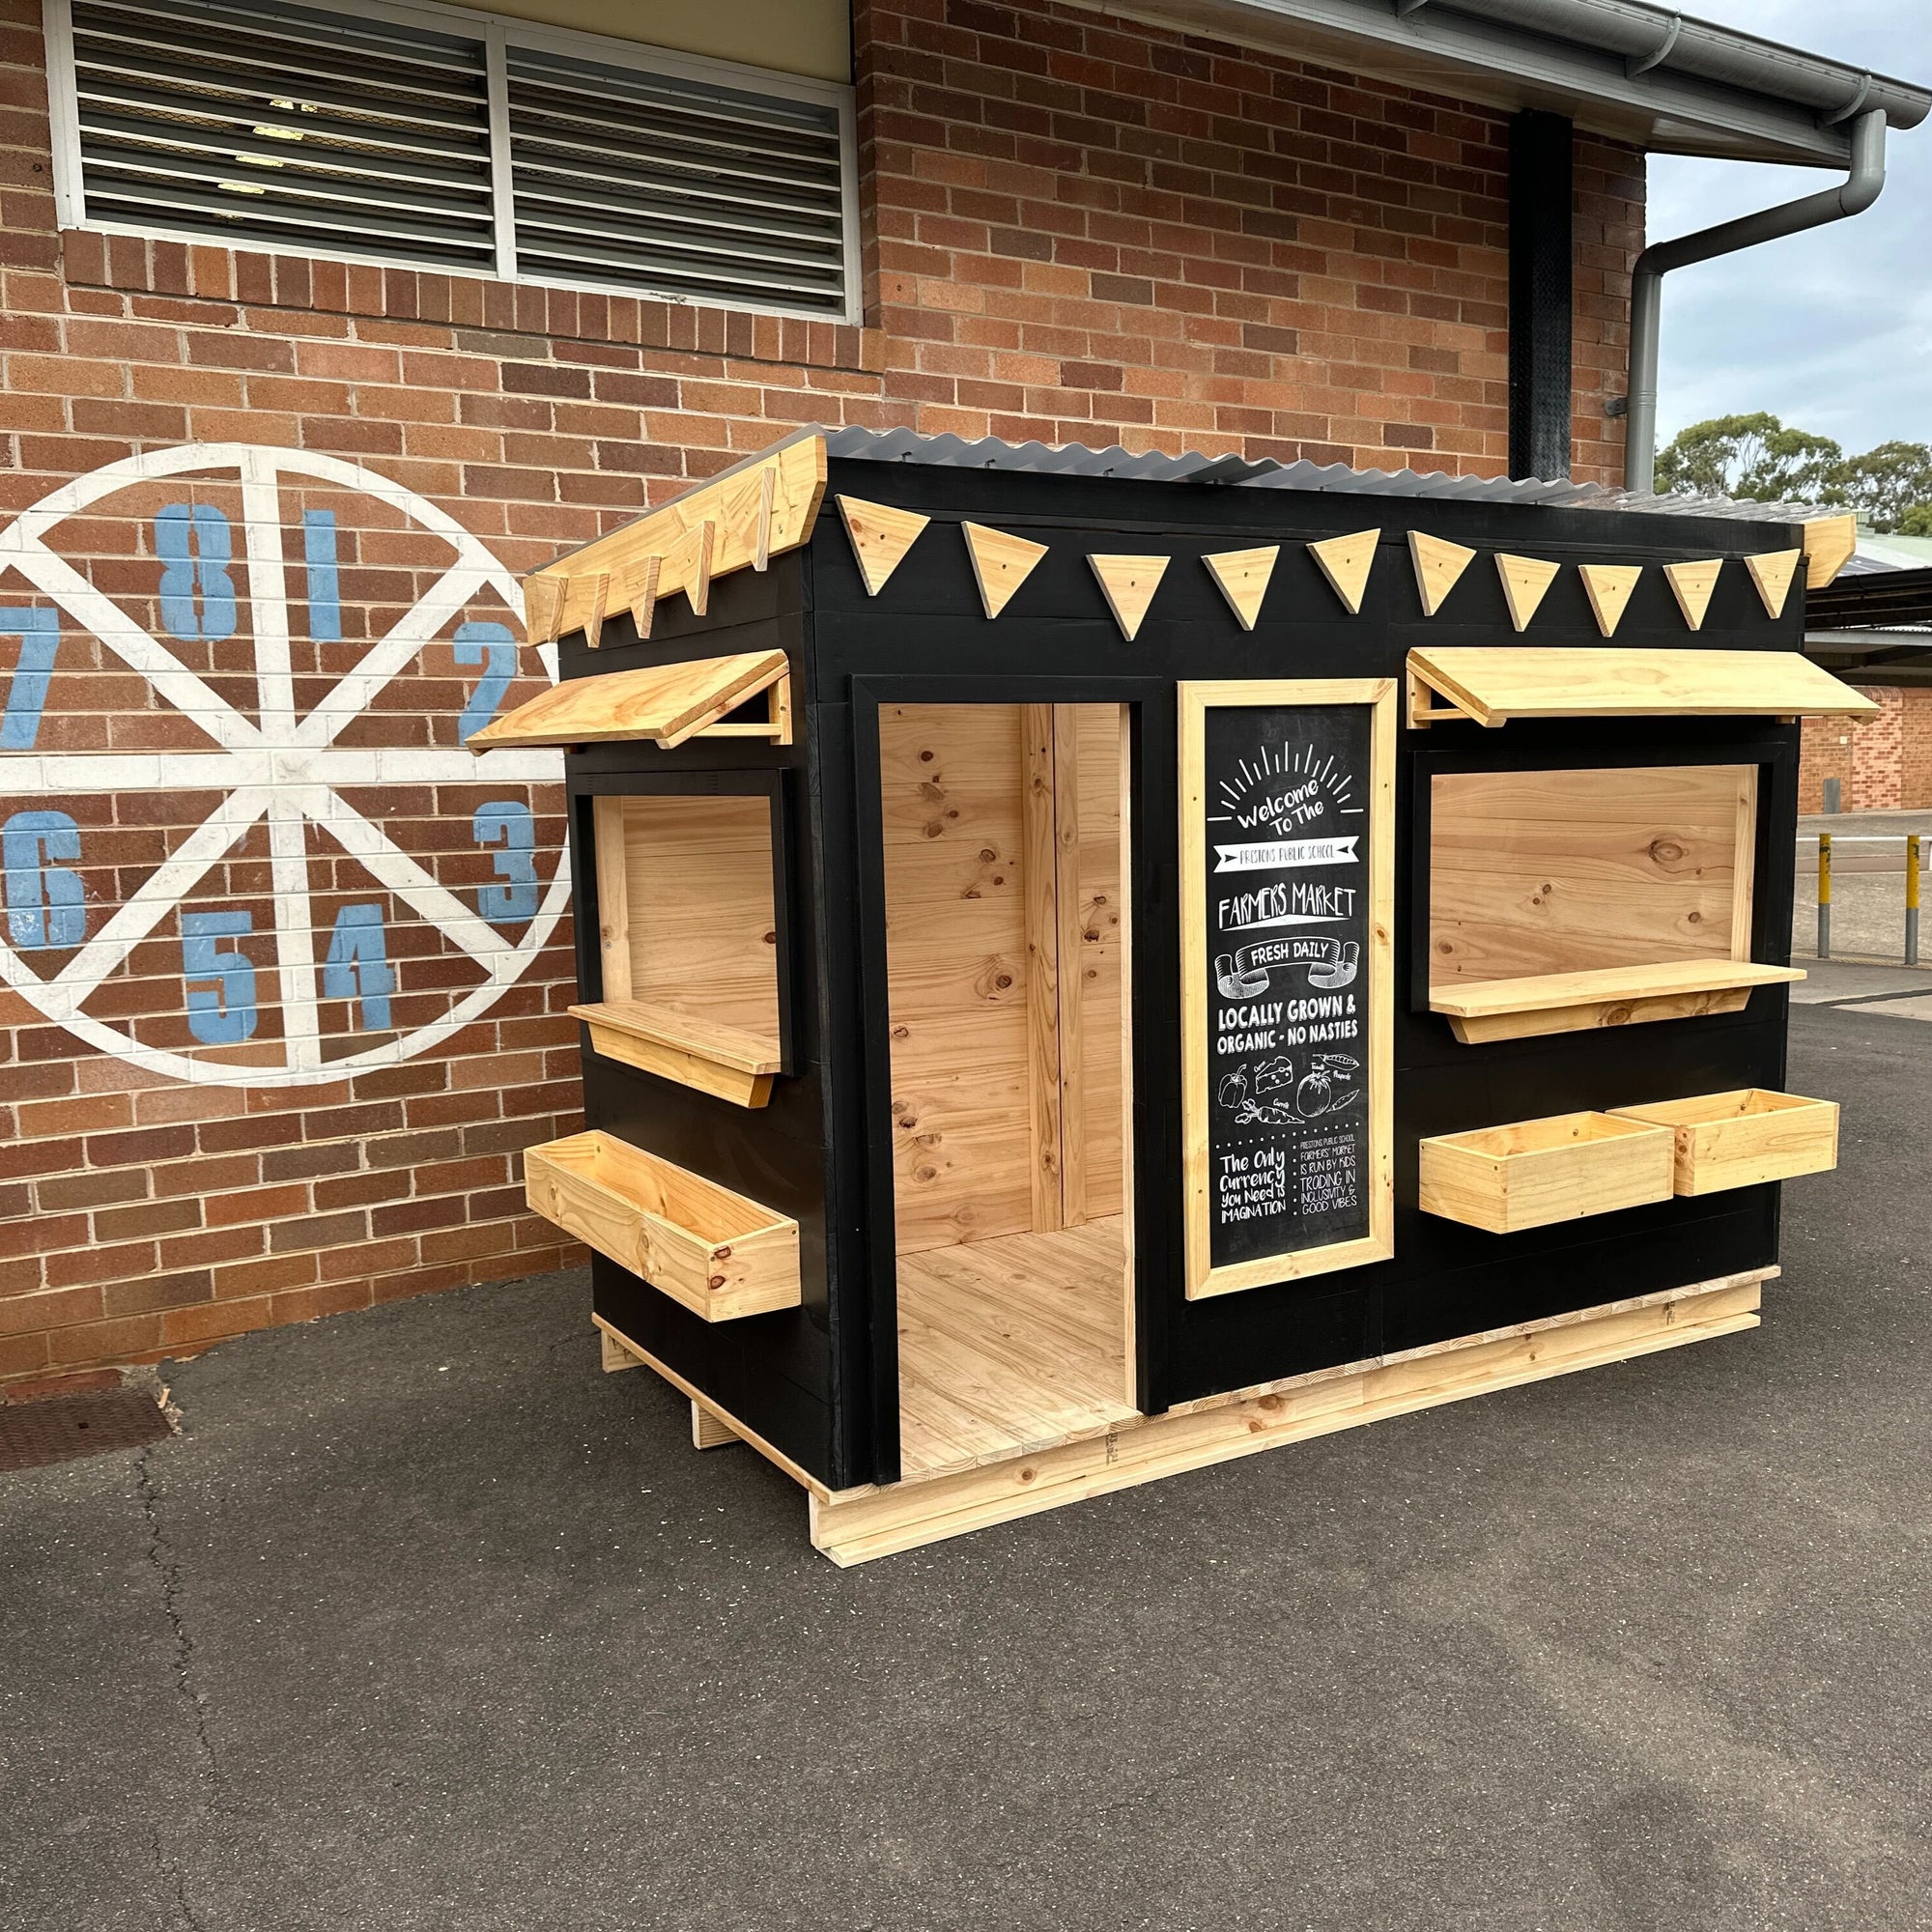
x=1666, y=850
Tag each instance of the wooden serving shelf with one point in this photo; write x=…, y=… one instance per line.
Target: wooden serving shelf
x=1543, y=1002
x=705, y=1054
x=1533, y=1172
x=714, y=1251
x=1740, y=1139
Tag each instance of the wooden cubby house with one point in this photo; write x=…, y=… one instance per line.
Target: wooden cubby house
x=1096, y=964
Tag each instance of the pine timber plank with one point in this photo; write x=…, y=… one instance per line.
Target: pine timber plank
x=1039, y=859
x=665, y=703
x=1829, y=543
x=856, y=1525
x=1494, y=684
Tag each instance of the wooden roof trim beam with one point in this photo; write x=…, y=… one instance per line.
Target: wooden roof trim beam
x=755, y=511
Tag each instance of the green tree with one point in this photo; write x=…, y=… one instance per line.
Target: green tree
x=1752, y=456
x=1916, y=521
x=1887, y=483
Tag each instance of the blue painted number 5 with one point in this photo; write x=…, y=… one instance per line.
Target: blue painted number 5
x=224, y=1016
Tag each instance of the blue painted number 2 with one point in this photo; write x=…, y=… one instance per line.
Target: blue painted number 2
x=491, y=645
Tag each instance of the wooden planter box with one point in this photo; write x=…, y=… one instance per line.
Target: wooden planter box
x=719, y=1254
x=1740, y=1138
x=1532, y=1172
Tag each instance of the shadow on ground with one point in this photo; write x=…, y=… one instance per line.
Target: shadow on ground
x=426, y=1623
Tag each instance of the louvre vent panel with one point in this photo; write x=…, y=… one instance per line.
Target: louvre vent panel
x=659, y=184
x=285, y=126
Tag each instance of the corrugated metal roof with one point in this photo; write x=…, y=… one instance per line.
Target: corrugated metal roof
x=1230, y=471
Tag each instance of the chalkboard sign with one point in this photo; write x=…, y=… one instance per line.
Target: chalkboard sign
x=1288, y=867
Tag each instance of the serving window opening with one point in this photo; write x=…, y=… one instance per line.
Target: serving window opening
x=1562, y=900
x=1007, y=921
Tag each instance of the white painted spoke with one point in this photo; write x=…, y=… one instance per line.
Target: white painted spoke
x=416, y=626
x=389, y=863
x=81, y=774
x=165, y=889
x=268, y=596
x=54, y=577
x=294, y=929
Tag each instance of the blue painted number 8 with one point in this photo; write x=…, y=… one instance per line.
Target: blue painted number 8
x=194, y=546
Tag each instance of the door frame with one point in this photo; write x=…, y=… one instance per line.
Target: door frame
x=1150, y=707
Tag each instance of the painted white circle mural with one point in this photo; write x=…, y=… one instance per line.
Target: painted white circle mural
x=243, y=842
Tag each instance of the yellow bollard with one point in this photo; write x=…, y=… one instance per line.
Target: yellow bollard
x=1824, y=896
x=1912, y=899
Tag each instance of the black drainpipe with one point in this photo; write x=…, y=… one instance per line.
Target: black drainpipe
x=1541, y=175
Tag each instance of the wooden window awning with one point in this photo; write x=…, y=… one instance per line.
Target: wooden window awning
x=1492, y=685
x=665, y=704
x=1546, y=1003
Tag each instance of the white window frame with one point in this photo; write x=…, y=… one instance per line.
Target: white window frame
x=497, y=34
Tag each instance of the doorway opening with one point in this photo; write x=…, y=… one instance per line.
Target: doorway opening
x=1006, y=829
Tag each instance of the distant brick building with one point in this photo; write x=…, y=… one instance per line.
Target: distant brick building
x=300, y=373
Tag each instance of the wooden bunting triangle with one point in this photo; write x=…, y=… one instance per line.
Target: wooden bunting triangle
x=1772, y=574
x=1609, y=588
x=1439, y=563
x=1525, y=580
x=1001, y=564
x=880, y=537
x=1243, y=579
x=688, y=561
x=1692, y=583
x=594, y=619
x=1345, y=562
x=640, y=593
x=542, y=607
x=1128, y=585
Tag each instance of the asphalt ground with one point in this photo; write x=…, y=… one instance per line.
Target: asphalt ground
x=424, y=1621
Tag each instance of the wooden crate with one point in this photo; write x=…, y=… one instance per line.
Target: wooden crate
x=1740, y=1138
x=1532, y=1172
x=719, y=1254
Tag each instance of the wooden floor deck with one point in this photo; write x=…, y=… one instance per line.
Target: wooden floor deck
x=1011, y=1346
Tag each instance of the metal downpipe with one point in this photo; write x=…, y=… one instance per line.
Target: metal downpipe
x=1851, y=196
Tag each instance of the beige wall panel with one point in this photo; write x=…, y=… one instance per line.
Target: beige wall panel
x=1535, y=872
x=703, y=935
x=806, y=37
x=950, y=781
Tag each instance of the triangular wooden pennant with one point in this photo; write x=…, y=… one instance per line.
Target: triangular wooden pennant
x=1609, y=588
x=1525, y=580
x=689, y=561
x=1001, y=564
x=1243, y=579
x=1345, y=562
x=593, y=617
x=640, y=593
x=1692, y=583
x=880, y=537
x=1772, y=574
x=1128, y=585
x=542, y=607
x=1439, y=563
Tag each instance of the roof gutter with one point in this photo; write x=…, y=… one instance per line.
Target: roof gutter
x=1851, y=196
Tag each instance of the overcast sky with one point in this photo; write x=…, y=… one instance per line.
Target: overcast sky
x=1832, y=330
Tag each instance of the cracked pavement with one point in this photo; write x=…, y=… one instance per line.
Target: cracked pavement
x=424, y=1623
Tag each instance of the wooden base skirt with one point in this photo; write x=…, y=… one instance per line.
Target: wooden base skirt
x=881, y=1519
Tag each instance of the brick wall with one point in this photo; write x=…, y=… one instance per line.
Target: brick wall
x=278, y=1078
x=1882, y=762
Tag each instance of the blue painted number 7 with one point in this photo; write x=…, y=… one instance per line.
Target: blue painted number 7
x=38, y=633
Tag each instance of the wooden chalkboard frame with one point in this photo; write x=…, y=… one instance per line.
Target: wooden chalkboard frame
x=1380, y=694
